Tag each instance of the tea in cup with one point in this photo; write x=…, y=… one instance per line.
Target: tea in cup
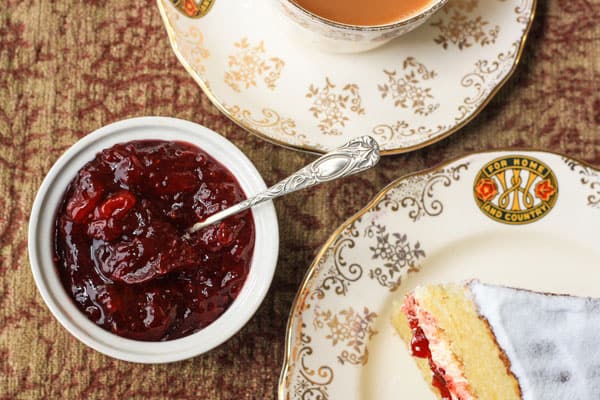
x=357, y=25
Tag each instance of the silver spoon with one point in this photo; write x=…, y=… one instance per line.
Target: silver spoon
x=355, y=156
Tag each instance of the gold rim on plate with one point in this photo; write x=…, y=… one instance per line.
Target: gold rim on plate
x=309, y=149
x=357, y=216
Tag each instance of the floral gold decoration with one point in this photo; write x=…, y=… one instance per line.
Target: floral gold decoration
x=332, y=107
x=406, y=88
x=463, y=31
x=397, y=253
x=349, y=328
x=249, y=64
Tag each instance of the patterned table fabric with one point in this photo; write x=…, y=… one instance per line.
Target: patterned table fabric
x=67, y=68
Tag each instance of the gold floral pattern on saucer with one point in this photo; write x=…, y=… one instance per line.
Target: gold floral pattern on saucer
x=425, y=228
x=460, y=30
x=249, y=64
x=406, y=87
x=424, y=85
x=333, y=107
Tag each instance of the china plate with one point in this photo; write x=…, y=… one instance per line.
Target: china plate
x=409, y=93
x=519, y=218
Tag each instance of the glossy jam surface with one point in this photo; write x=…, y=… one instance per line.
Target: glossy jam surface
x=119, y=245
x=420, y=348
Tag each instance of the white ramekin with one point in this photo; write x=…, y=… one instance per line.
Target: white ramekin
x=41, y=233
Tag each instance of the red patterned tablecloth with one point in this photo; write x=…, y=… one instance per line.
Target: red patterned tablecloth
x=67, y=68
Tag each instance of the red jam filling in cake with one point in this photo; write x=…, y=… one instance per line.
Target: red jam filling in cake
x=427, y=342
x=420, y=348
x=119, y=240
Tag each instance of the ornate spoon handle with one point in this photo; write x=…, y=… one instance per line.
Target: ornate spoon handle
x=355, y=156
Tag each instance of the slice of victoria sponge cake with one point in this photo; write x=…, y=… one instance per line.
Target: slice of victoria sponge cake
x=479, y=341
x=454, y=348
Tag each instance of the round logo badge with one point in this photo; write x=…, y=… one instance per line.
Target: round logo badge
x=193, y=8
x=515, y=189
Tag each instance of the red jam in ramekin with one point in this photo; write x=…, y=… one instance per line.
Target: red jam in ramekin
x=119, y=245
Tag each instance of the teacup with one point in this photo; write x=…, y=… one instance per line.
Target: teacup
x=346, y=38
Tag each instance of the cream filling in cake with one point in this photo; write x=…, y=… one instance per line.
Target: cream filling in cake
x=487, y=342
x=551, y=341
x=441, y=354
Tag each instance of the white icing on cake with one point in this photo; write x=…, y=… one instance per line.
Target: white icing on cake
x=552, y=341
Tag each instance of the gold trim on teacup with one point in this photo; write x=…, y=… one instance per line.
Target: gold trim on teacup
x=432, y=8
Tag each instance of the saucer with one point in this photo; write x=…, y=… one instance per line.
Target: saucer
x=410, y=93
